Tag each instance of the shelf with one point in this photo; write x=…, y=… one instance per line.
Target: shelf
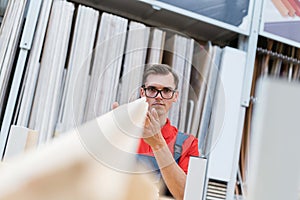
x=3, y=5
x=155, y=13
x=281, y=28
x=229, y=14
x=280, y=39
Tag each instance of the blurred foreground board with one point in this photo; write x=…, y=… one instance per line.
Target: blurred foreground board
x=72, y=166
x=274, y=148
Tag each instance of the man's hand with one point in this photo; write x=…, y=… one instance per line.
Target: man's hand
x=172, y=174
x=114, y=105
x=152, y=134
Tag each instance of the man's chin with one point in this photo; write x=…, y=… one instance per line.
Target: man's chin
x=159, y=109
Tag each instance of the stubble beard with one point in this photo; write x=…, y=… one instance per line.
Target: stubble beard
x=160, y=111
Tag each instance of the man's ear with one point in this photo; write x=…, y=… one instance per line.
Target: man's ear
x=176, y=94
x=142, y=92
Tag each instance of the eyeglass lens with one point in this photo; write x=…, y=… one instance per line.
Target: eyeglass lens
x=152, y=92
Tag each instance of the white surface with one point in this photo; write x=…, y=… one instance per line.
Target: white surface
x=26, y=40
x=12, y=99
x=106, y=66
x=16, y=141
x=226, y=128
x=134, y=61
x=208, y=99
x=195, y=179
x=33, y=65
x=274, y=151
x=50, y=79
x=76, y=86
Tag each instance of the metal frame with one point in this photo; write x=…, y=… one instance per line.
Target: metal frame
x=25, y=45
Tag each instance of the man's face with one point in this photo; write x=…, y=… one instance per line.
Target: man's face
x=160, y=82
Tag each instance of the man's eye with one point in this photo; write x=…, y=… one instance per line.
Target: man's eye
x=151, y=89
x=167, y=90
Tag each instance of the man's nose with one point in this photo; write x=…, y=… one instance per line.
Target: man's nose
x=159, y=95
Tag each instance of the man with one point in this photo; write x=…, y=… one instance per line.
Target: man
x=159, y=88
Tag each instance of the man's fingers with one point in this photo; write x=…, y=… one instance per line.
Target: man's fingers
x=147, y=120
x=115, y=105
x=154, y=113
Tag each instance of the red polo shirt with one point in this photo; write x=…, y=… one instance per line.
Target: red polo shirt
x=169, y=132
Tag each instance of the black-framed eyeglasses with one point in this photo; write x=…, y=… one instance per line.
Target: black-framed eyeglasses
x=152, y=92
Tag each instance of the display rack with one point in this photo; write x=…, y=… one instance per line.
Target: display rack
x=201, y=28
x=156, y=13
x=159, y=14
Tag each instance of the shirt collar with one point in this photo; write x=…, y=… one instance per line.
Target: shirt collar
x=168, y=131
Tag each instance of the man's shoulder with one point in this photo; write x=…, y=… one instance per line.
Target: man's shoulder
x=186, y=140
x=183, y=134
x=190, y=142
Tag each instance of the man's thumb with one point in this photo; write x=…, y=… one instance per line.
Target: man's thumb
x=115, y=105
